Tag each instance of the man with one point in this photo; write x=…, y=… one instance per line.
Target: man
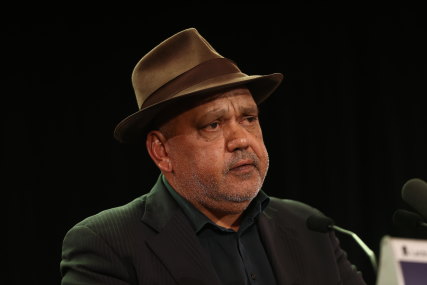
x=206, y=220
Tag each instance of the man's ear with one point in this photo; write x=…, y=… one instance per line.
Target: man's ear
x=156, y=148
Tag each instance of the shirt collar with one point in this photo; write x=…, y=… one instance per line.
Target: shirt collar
x=199, y=220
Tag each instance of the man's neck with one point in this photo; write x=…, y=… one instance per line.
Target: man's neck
x=229, y=220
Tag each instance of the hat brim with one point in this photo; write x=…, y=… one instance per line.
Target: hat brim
x=132, y=129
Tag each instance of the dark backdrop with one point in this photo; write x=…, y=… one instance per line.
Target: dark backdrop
x=345, y=131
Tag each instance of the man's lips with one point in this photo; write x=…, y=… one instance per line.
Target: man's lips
x=243, y=164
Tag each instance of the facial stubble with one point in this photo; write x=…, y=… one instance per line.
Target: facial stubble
x=209, y=193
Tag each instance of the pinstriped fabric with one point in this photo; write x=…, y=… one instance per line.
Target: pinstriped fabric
x=111, y=247
x=92, y=261
x=183, y=254
x=301, y=256
x=294, y=250
x=150, y=241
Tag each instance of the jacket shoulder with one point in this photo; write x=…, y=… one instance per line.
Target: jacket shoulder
x=291, y=209
x=116, y=216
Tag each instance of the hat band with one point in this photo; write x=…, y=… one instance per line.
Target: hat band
x=204, y=71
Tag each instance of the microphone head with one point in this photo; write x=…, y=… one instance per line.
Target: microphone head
x=319, y=223
x=414, y=192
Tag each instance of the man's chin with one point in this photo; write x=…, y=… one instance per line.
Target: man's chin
x=239, y=196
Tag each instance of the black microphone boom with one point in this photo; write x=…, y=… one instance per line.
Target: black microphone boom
x=410, y=224
x=324, y=224
x=414, y=192
x=319, y=223
x=408, y=219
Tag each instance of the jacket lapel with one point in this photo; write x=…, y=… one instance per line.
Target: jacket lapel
x=176, y=243
x=283, y=248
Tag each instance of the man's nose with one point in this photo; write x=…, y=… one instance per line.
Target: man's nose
x=237, y=137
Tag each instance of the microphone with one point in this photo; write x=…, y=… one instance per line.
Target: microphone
x=408, y=219
x=323, y=224
x=410, y=223
x=414, y=192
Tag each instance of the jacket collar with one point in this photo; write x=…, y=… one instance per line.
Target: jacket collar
x=283, y=247
x=160, y=207
x=176, y=243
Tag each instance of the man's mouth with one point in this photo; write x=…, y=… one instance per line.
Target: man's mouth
x=243, y=166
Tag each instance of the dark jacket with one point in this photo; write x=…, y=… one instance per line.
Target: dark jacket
x=150, y=241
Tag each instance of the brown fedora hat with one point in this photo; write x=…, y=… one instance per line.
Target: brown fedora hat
x=181, y=66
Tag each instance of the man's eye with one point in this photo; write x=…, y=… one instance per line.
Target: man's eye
x=212, y=126
x=251, y=119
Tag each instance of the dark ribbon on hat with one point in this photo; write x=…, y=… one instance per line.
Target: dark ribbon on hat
x=204, y=71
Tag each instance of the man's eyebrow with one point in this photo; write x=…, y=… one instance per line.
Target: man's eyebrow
x=249, y=109
x=217, y=112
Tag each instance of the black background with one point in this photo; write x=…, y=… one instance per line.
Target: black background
x=345, y=130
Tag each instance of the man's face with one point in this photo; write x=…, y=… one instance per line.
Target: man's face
x=218, y=157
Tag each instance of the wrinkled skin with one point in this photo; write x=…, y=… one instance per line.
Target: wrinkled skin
x=214, y=155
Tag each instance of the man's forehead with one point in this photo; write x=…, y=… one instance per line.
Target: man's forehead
x=239, y=97
x=209, y=101
x=237, y=100
x=228, y=93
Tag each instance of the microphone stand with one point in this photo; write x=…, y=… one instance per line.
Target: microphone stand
x=368, y=251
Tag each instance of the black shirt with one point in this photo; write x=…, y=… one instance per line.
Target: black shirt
x=238, y=257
